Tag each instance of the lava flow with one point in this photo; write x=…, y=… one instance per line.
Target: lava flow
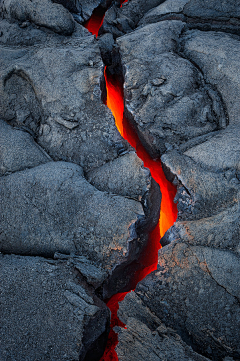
x=168, y=211
x=96, y=20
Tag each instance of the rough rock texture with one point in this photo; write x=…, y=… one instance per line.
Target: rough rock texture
x=204, y=15
x=158, y=85
x=196, y=291
x=119, y=21
x=52, y=208
x=51, y=89
x=125, y=176
x=48, y=311
x=72, y=189
x=84, y=8
x=201, y=193
x=217, y=54
x=147, y=338
x=40, y=12
x=18, y=150
x=54, y=89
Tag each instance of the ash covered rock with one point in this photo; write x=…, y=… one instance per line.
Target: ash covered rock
x=201, y=193
x=205, y=15
x=49, y=312
x=167, y=99
x=52, y=208
x=40, y=12
x=146, y=337
x=125, y=176
x=217, y=55
x=18, y=150
x=195, y=290
x=119, y=21
x=53, y=88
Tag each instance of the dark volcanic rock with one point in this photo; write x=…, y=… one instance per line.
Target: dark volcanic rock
x=53, y=88
x=52, y=208
x=212, y=9
x=217, y=55
x=201, y=14
x=18, y=150
x=125, y=176
x=48, y=313
x=196, y=291
x=167, y=99
x=122, y=20
x=147, y=338
x=201, y=193
x=40, y=12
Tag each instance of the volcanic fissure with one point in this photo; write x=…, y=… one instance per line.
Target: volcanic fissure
x=168, y=210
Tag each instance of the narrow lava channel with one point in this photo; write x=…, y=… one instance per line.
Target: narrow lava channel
x=168, y=211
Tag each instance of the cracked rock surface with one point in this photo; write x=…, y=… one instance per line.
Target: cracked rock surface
x=49, y=313
x=77, y=205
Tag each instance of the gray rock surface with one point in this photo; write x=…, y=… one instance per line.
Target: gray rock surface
x=201, y=193
x=205, y=14
x=119, y=21
x=84, y=8
x=53, y=88
x=40, y=12
x=213, y=9
x=158, y=84
x=48, y=312
x=191, y=292
x=72, y=189
x=125, y=176
x=18, y=150
x=217, y=54
x=146, y=337
x=52, y=208
x=167, y=7
x=220, y=153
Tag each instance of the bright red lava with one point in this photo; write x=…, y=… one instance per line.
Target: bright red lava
x=168, y=212
x=95, y=22
x=123, y=1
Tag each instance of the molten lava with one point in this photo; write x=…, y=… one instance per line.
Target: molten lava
x=96, y=20
x=115, y=102
x=168, y=212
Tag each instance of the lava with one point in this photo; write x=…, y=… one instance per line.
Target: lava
x=96, y=20
x=168, y=212
x=115, y=102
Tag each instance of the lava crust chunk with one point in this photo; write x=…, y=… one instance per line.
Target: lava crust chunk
x=49, y=313
x=55, y=131
x=167, y=99
x=146, y=337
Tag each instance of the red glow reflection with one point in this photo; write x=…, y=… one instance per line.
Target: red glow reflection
x=168, y=212
x=95, y=22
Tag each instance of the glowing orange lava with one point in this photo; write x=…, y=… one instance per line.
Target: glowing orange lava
x=168, y=212
x=115, y=102
x=123, y=1
x=95, y=22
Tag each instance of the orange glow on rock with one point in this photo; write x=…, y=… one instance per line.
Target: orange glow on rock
x=123, y=1
x=113, y=304
x=168, y=212
x=115, y=102
x=95, y=22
